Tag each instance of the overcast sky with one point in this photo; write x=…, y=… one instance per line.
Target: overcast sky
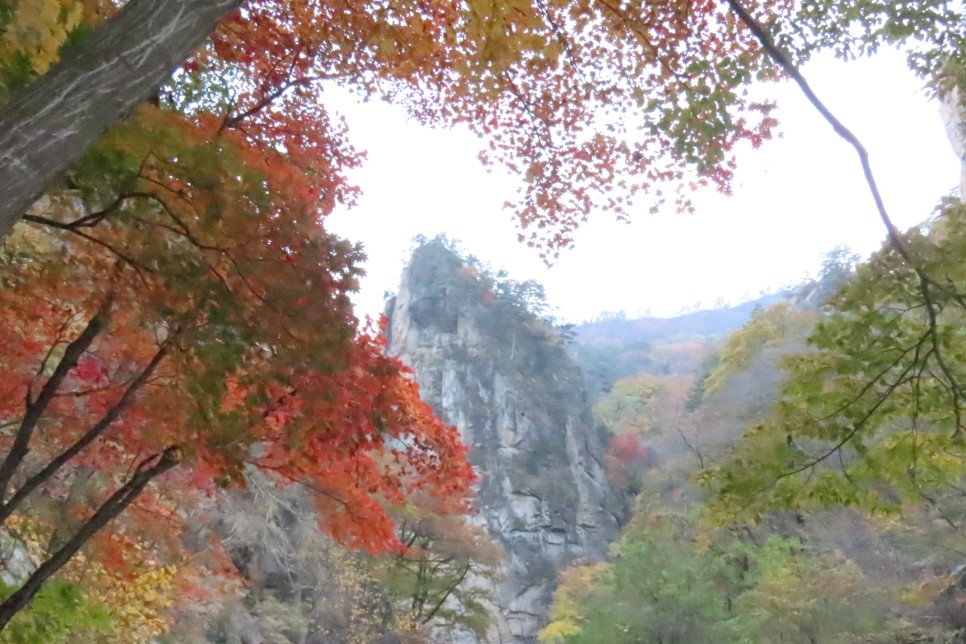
x=795, y=199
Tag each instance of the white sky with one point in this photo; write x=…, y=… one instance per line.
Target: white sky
x=795, y=199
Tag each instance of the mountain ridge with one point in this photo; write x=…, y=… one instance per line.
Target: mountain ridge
x=702, y=324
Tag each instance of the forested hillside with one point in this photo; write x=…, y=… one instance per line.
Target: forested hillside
x=619, y=329
x=614, y=347
x=752, y=520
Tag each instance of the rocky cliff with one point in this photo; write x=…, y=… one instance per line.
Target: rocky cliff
x=952, y=108
x=498, y=373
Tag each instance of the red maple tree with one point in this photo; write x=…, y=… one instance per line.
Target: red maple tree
x=175, y=299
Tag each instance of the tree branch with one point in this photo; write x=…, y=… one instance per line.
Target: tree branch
x=36, y=407
x=8, y=508
x=783, y=61
x=110, y=509
x=127, y=259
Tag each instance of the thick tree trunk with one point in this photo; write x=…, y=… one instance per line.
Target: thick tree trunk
x=49, y=125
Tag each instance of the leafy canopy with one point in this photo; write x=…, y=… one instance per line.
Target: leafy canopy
x=872, y=415
x=670, y=581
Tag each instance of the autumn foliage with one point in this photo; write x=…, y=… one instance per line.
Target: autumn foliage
x=590, y=104
x=626, y=460
x=178, y=291
x=176, y=299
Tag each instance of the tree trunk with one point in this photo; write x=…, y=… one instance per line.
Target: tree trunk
x=49, y=124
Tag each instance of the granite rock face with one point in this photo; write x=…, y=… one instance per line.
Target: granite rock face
x=953, y=112
x=504, y=379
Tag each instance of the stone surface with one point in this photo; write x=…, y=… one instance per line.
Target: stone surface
x=953, y=113
x=504, y=379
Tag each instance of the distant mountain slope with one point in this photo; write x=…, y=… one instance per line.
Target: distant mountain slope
x=691, y=326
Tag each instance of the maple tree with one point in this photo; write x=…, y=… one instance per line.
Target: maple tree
x=238, y=357
x=245, y=353
x=625, y=461
x=546, y=84
x=178, y=302
x=206, y=317
x=873, y=414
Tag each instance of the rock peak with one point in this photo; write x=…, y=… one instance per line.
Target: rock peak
x=495, y=369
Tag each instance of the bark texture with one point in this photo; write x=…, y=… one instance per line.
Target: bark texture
x=48, y=126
